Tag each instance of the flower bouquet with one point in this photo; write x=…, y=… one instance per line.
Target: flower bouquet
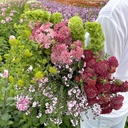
x=55, y=75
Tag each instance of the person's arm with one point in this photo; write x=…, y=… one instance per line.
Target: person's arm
x=114, y=36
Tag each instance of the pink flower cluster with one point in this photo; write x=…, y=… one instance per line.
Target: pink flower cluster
x=62, y=33
x=22, y=103
x=61, y=53
x=99, y=86
x=58, y=38
x=42, y=33
x=75, y=107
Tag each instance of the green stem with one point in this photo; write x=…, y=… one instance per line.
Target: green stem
x=5, y=93
x=5, y=99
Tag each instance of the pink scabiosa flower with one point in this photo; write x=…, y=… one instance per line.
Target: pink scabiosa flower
x=21, y=21
x=3, y=14
x=8, y=19
x=3, y=21
x=3, y=9
x=22, y=103
x=11, y=14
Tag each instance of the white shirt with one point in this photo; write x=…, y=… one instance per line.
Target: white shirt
x=114, y=20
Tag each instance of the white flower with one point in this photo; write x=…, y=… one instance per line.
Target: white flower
x=30, y=68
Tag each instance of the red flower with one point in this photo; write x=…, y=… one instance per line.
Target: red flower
x=102, y=67
x=77, y=78
x=86, y=77
x=91, y=63
x=112, y=69
x=90, y=71
x=124, y=87
x=116, y=102
x=88, y=55
x=92, y=82
x=106, y=110
x=103, y=87
x=103, y=99
x=92, y=101
x=91, y=91
x=115, y=88
x=105, y=105
x=113, y=61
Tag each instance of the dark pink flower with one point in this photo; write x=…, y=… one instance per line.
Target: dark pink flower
x=117, y=102
x=113, y=61
x=88, y=55
x=102, y=67
x=91, y=91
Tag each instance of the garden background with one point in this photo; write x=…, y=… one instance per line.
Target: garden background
x=10, y=15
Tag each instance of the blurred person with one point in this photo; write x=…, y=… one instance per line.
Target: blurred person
x=114, y=21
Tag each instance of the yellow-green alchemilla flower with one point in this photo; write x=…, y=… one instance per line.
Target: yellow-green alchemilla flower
x=27, y=32
x=53, y=70
x=11, y=79
x=13, y=42
x=27, y=53
x=39, y=75
x=20, y=83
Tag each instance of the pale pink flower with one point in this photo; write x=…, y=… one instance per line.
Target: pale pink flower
x=77, y=53
x=3, y=14
x=43, y=34
x=21, y=21
x=8, y=19
x=3, y=21
x=5, y=74
x=60, y=54
x=12, y=37
x=3, y=9
x=78, y=43
x=66, y=58
x=23, y=103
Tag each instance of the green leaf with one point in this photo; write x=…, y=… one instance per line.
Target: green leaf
x=9, y=122
x=66, y=121
x=43, y=119
x=2, y=122
x=25, y=126
x=6, y=117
